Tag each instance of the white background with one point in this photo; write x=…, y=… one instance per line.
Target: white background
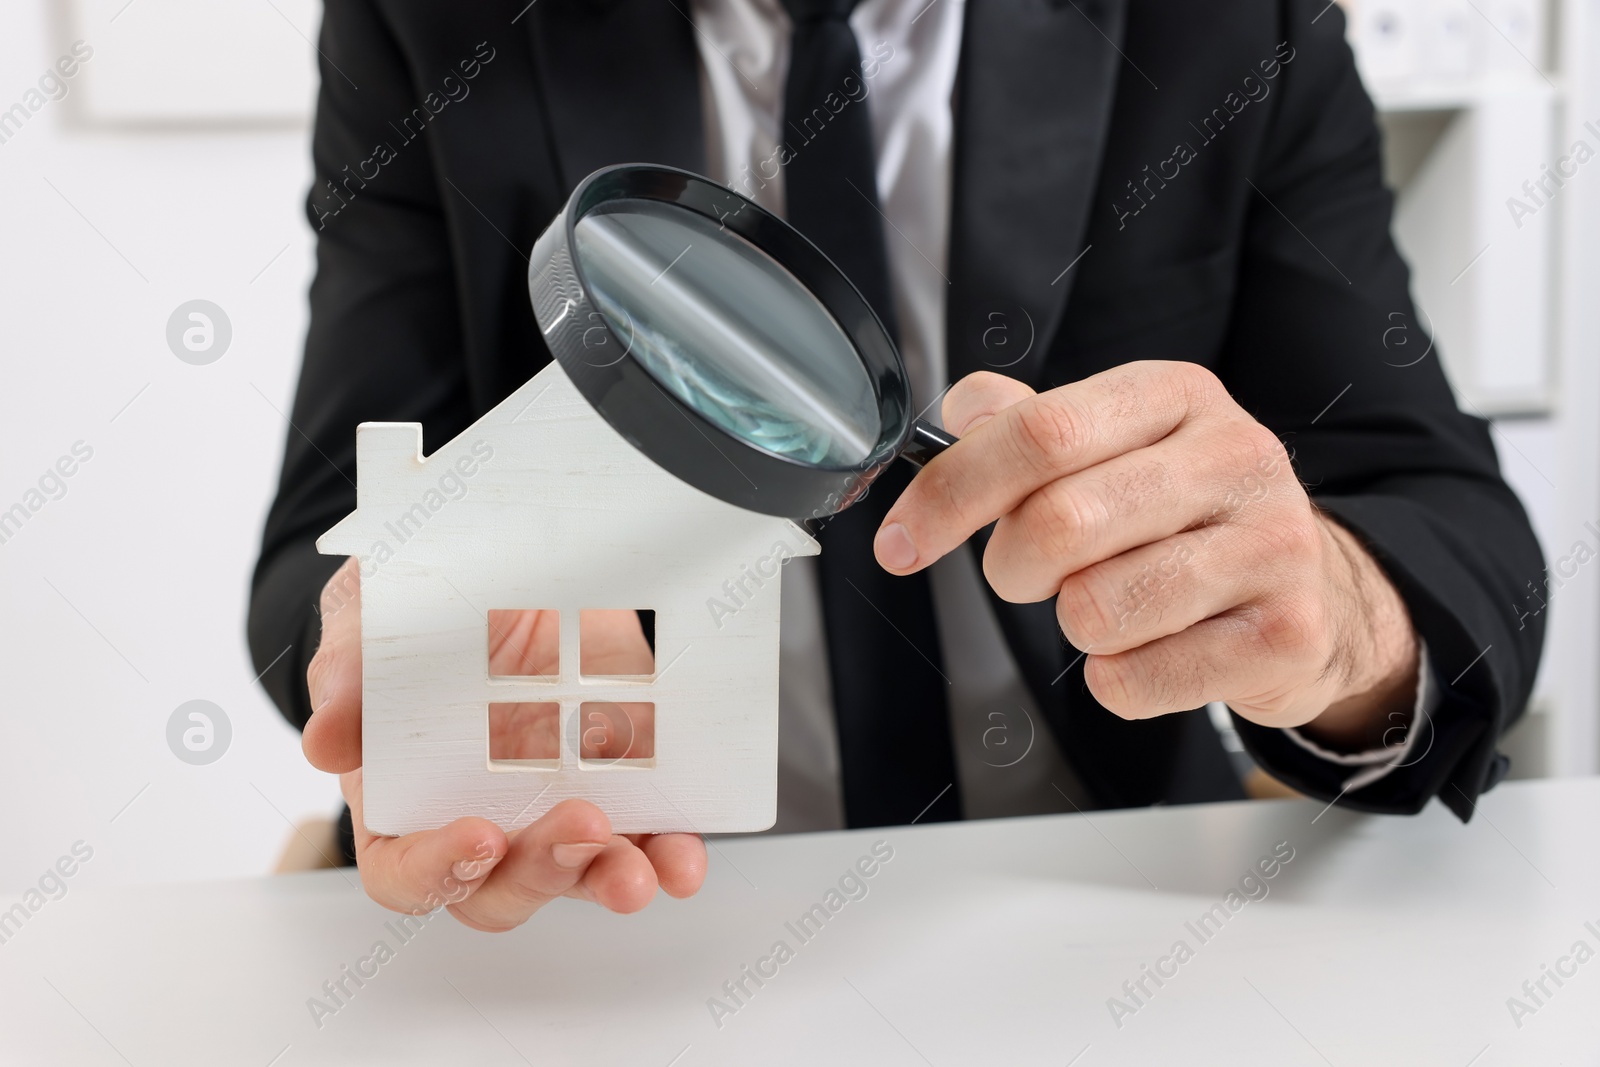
x=154, y=541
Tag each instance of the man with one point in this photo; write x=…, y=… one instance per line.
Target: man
x=1148, y=242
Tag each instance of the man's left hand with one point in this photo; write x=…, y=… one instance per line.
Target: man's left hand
x=1188, y=563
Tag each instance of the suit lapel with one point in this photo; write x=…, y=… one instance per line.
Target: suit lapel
x=621, y=82
x=1033, y=101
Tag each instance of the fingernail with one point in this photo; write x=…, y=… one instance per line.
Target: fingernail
x=572, y=856
x=469, y=869
x=974, y=424
x=894, y=547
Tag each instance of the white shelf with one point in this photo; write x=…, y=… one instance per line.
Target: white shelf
x=1479, y=101
x=1483, y=276
x=1456, y=94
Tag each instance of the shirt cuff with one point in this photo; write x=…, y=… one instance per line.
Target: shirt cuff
x=1376, y=763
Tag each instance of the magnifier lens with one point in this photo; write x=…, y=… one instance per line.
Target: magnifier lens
x=729, y=331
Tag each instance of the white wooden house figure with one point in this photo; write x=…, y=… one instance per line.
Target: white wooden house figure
x=540, y=504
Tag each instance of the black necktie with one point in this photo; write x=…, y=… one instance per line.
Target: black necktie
x=889, y=689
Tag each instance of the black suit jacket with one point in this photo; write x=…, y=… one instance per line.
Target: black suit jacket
x=1132, y=179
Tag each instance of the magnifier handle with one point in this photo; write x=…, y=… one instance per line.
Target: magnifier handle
x=927, y=441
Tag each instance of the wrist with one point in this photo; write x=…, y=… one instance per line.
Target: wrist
x=1373, y=666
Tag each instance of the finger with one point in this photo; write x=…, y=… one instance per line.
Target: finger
x=979, y=397
x=332, y=736
x=1156, y=590
x=419, y=872
x=996, y=466
x=1254, y=657
x=546, y=859
x=1195, y=476
x=621, y=878
x=679, y=861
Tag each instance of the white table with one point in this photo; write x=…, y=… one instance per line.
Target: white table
x=1384, y=941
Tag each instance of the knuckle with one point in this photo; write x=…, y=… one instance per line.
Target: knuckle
x=1062, y=523
x=942, y=488
x=969, y=393
x=1137, y=599
x=1113, y=683
x=1086, y=611
x=1011, y=580
x=340, y=625
x=1267, y=448
x=1289, y=537
x=317, y=670
x=1262, y=454
x=342, y=589
x=526, y=892
x=1199, y=385
x=1284, y=629
x=1200, y=378
x=1050, y=430
x=327, y=674
x=1135, y=485
x=939, y=498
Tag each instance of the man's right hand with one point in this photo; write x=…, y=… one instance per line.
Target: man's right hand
x=489, y=880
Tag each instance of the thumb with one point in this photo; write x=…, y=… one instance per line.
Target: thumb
x=332, y=736
x=979, y=397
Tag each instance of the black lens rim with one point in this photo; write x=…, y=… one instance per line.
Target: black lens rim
x=653, y=419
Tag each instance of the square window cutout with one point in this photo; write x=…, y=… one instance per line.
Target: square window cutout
x=616, y=643
x=525, y=735
x=617, y=735
x=524, y=643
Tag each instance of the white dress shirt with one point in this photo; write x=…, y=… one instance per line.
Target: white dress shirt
x=1007, y=760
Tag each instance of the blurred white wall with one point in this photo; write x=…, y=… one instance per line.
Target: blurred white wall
x=125, y=597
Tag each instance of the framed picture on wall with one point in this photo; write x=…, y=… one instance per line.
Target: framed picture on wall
x=172, y=63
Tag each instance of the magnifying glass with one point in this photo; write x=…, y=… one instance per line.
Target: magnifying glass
x=722, y=343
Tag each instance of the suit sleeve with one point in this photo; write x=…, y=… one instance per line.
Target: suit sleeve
x=384, y=340
x=1326, y=349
